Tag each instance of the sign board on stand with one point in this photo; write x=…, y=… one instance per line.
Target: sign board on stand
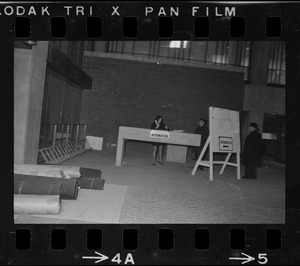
x=224, y=137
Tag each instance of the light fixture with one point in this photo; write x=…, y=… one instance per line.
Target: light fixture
x=178, y=44
x=31, y=42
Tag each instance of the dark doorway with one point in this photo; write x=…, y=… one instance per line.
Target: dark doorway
x=274, y=137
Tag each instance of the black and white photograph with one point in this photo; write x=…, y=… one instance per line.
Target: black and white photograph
x=149, y=131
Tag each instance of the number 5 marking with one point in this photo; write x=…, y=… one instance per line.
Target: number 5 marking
x=262, y=256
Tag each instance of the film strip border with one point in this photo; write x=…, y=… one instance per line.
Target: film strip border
x=149, y=20
x=130, y=239
x=153, y=243
x=150, y=243
x=130, y=27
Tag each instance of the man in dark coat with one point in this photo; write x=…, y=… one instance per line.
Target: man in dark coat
x=252, y=152
x=203, y=130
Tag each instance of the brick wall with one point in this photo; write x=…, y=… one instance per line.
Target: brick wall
x=132, y=93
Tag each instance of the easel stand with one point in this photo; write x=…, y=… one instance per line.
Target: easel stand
x=211, y=162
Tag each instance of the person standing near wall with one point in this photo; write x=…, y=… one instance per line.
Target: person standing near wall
x=158, y=124
x=203, y=130
x=252, y=152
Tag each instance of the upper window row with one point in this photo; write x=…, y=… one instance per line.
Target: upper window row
x=234, y=53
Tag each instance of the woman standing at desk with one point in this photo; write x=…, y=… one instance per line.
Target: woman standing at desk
x=158, y=124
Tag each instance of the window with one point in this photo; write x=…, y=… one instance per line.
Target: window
x=234, y=53
x=276, y=70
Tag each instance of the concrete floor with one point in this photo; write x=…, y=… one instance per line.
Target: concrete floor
x=170, y=194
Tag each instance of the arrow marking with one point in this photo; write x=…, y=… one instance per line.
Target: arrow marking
x=246, y=259
x=99, y=259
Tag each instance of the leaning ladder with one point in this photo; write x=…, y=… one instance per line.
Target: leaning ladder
x=60, y=153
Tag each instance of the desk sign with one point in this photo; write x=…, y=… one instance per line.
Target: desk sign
x=159, y=134
x=225, y=144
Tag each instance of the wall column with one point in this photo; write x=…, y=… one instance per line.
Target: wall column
x=29, y=80
x=259, y=63
x=254, y=100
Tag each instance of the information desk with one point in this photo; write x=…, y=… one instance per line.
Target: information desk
x=176, y=153
x=142, y=134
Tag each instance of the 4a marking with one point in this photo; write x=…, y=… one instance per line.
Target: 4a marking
x=115, y=259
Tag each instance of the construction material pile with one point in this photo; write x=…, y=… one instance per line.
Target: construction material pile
x=39, y=189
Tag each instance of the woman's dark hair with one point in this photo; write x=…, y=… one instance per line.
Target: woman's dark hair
x=158, y=117
x=203, y=120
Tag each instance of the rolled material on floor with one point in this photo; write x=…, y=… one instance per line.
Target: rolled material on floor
x=90, y=183
x=69, y=186
x=64, y=171
x=37, y=204
x=89, y=172
x=41, y=172
x=47, y=170
x=37, y=188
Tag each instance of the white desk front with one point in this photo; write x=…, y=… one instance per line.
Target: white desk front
x=143, y=134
